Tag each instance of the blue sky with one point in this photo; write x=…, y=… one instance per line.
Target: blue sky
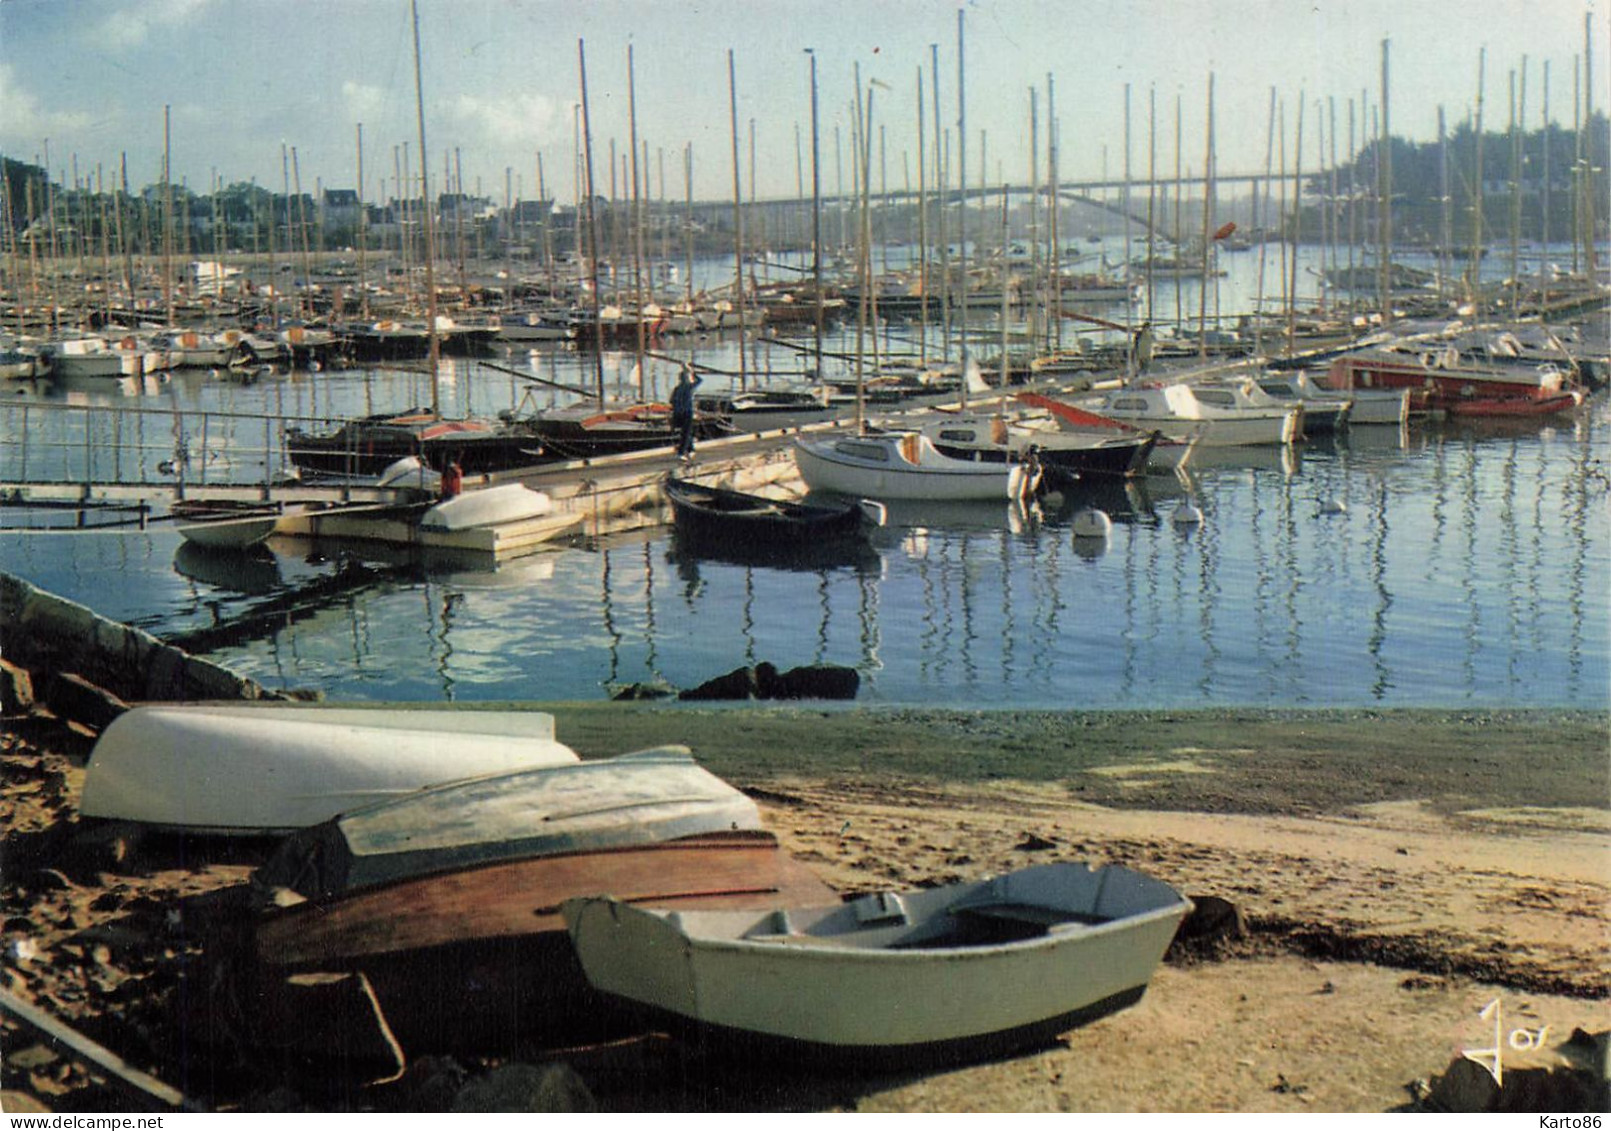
x=243, y=77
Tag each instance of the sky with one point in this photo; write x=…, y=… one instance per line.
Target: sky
x=247, y=81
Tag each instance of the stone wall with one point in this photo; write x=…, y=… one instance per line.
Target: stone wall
x=49, y=635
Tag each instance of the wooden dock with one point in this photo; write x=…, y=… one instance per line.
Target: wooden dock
x=592, y=498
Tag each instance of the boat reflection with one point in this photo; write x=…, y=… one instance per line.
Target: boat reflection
x=1287, y=459
x=856, y=555
x=1122, y=500
x=253, y=570
x=954, y=515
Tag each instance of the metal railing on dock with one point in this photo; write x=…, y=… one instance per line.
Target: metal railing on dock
x=55, y=452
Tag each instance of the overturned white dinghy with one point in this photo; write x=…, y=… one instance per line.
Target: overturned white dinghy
x=944, y=974
x=646, y=797
x=490, y=506
x=255, y=769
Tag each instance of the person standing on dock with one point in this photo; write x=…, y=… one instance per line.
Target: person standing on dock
x=1143, y=347
x=682, y=412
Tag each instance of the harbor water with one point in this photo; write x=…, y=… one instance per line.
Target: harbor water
x=1451, y=564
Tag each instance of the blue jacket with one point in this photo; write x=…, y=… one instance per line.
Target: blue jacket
x=682, y=398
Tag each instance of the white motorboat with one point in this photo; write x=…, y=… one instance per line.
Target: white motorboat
x=932, y=975
x=262, y=768
x=1217, y=415
x=899, y=465
x=93, y=356
x=1167, y=455
x=1365, y=406
x=195, y=349
x=22, y=360
x=1064, y=456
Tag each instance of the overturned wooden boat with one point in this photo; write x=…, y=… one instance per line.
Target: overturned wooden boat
x=936, y=975
x=640, y=798
x=265, y=768
x=717, y=515
x=479, y=958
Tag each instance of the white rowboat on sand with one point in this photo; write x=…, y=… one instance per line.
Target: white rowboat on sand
x=938, y=974
x=256, y=769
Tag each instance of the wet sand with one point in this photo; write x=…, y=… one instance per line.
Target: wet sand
x=1397, y=872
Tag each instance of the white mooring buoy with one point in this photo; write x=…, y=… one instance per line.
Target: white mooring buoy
x=1333, y=506
x=1187, y=514
x=1092, y=523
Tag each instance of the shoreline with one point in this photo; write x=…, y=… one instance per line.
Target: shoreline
x=1394, y=903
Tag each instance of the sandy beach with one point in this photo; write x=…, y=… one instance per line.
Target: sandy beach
x=1397, y=872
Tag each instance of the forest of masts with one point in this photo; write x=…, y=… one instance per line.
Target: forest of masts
x=1326, y=175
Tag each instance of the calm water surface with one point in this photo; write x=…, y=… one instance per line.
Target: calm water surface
x=1465, y=566
x=1458, y=564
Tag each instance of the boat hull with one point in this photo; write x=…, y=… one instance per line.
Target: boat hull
x=1462, y=390
x=479, y=959
x=1481, y=406
x=715, y=517
x=254, y=770
x=367, y=447
x=489, y=506
x=853, y=467
x=647, y=797
x=938, y=973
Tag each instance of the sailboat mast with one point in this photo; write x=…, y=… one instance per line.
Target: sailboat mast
x=1474, y=268
x=1543, y=239
x=922, y=229
x=1259, y=223
x=941, y=174
x=1152, y=193
x=592, y=227
x=962, y=182
x=1297, y=228
x=1208, y=220
x=435, y=346
x=363, y=233
x=167, y=220
x=1590, y=260
x=1387, y=195
x=738, y=221
x=816, y=216
x=637, y=216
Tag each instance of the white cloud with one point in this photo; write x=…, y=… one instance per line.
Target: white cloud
x=132, y=23
x=364, y=101
x=23, y=118
x=515, y=122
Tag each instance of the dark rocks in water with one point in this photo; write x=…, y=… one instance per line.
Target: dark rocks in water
x=764, y=681
x=740, y=683
x=817, y=681
x=654, y=689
